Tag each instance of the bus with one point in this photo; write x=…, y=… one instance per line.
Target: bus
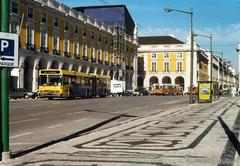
x=56, y=83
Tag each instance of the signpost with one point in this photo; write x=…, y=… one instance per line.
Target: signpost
x=8, y=58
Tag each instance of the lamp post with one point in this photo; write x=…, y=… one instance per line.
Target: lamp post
x=221, y=53
x=211, y=54
x=190, y=12
x=238, y=50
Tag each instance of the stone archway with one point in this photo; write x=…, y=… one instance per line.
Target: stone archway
x=65, y=66
x=140, y=81
x=91, y=70
x=55, y=64
x=28, y=73
x=180, y=81
x=153, y=80
x=166, y=80
x=84, y=69
x=42, y=64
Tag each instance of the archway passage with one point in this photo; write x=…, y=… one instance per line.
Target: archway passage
x=180, y=81
x=65, y=66
x=84, y=69
x=166, y=80
x=54, y=65
x=42, y=64
x=28, y=73
x=153, y=80
x=139, y=81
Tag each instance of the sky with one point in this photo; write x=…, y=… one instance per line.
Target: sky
x=217, y=17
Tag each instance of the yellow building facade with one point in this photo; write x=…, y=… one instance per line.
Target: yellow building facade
x=53, y=35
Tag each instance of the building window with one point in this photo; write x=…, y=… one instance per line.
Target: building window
x=179, y=55
x=55, y=21
x=84, y=48
x=166, y=66
x=15, y=7
x=92, y=51
x=75, y=51
x=55, y=42
x=99, y=53
x=66, y=44
x=30, y=35
x=154, y=55
x=44, y=17
x=99, y=38
x=30, y=12
x=66, y=26
x=179, y=66
x=43, y=38
x=106, y=54
x=84, y=33
x=154, y=66
x=166, y=55
x=92, y=35
x=14, y=27
x=76, y=29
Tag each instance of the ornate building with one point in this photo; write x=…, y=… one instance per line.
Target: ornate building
x=167, y=61
x=53, y=35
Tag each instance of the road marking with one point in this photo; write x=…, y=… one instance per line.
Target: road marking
x=55, y=126
x=20, y=135
x=172, y=102
x=40, y=113
x=79, y=120
x=73, y=113
x=22, y=121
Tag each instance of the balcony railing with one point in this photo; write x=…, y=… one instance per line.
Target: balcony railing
x=56, y=52
x=30, y=46
x=44, y=49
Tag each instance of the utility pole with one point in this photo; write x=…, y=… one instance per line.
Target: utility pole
x=222, y=68
x=4, y=71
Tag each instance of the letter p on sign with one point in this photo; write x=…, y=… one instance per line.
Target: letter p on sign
x=4, y=44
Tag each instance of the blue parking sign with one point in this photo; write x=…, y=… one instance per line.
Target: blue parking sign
x=6, y=47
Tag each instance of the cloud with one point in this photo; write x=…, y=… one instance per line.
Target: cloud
x=225, y=38
x=221, y=35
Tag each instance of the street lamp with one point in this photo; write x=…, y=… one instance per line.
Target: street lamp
x=167, y=10
x=221, y=53
x=211, y=54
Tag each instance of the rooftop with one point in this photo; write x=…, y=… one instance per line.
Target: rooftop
x=148, y=40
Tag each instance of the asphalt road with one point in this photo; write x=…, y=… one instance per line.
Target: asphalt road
x=41, y=122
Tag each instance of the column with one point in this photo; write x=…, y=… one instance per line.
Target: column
x=21, y=76
x=35, y=75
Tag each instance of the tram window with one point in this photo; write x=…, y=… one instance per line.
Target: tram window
x=43, y=80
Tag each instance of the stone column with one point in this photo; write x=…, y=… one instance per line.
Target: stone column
x=49, y=64
x=60, y=65
x=21, y=76
x=35, y=75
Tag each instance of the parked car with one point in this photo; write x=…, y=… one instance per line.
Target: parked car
x=127, y=93
x=143, y=92
x=21, y=93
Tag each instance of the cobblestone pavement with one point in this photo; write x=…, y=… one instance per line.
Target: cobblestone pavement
x=189, y=135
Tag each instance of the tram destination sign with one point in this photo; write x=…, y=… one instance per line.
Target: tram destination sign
x=8, y=50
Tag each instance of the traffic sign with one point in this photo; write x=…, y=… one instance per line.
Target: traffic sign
x=8, y=49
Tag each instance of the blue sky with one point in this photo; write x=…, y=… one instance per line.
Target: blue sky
x=219, y=17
